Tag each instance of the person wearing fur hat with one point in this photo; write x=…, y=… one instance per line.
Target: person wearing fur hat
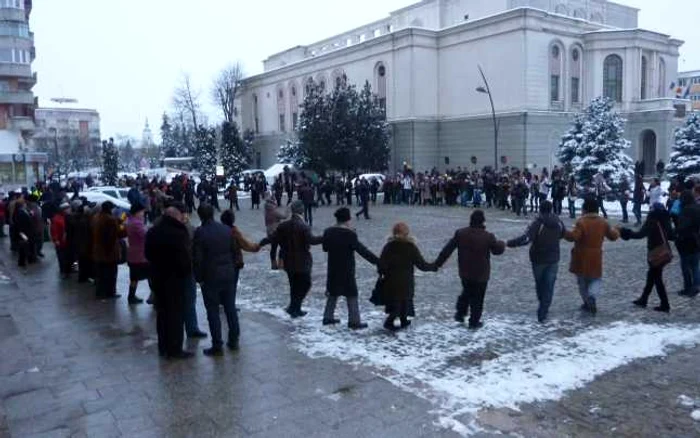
x=341, y=244
x=295, y=239
x=474, y=247
x=397, y=264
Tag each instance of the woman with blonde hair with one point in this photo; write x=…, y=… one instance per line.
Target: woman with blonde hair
x=396, y=265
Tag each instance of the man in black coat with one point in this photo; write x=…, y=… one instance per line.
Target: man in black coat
x=295, y=239
x=306, y=195
x=363, y=195
x=688, y=243
x=168, y=252
x=215, y=270
x=341, y=243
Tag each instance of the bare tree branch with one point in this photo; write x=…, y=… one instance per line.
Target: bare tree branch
x=186, y=99
x=225, y=89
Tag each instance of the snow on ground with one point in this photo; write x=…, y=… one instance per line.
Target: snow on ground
x=507, y=363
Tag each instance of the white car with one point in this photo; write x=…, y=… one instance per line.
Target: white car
x=368, y=176
x=99, y=197
x=111, y=191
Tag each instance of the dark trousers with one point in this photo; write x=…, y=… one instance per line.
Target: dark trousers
x=353, y=309
x=308, y=214
x=601, y=205
x=365, y=209
x=232, y=203
x=290, y=197
x=572, y=208
x=691, y=273
x=557, y=205
x=85, y=269
x=471, y=302
x=273, y=252
x=545, y=277
x=625, y=216
x=637, y=210
x=64, y=260
x=106, y=281
x=299, y=286
x=278, y=198
x=218, y=294
x=655, y=277
x=170, y=320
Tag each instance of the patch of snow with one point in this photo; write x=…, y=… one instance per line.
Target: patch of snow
x=695, y=415
x=686, y=401
x=508, y=363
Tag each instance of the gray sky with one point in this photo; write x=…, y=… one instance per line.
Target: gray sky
x=125, y=57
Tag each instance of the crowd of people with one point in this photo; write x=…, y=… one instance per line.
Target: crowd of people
x=173, y=256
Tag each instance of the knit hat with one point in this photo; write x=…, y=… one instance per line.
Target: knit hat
x=342, y=215
x=297, y=207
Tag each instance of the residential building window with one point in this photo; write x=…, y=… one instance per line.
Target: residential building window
x=14, y=29
x=643, y=90
x=612, y=78
x=554, y=88
x=16, y=4
x=575, y=95
x=6, y=55
x=282, y=127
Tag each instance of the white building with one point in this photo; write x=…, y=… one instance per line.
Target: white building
x=544, y=59
x=70, y=130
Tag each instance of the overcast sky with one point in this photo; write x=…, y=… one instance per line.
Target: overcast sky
x=125, y=57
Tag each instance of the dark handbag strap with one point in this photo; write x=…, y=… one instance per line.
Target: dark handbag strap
x=663, y=234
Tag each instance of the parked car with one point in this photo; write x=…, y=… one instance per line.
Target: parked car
x=368, y=176
x=99, y=197
x=111, y=191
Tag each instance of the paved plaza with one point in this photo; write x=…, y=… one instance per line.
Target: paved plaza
x=71, y=365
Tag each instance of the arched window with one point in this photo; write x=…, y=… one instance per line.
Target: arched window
x=576, y=73
x=281, y=109
x=255, y=114
x=648, y=141
x=580, y=13
x=662, y=78
x=338, y=78
x=612, y=78
x=380, y=73
x=294, y=104
x=643, y=87
x=322, y=82
x=556, y=67
x=561, y=9
x=308, y=84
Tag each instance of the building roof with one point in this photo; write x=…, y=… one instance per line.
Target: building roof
x=689, y=74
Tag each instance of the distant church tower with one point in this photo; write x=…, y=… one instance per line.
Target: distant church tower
x=147, y=137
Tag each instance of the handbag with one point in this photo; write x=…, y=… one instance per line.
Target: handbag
x=376, y=297
x=661, y=255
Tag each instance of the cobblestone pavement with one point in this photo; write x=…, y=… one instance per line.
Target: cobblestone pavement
x=75, y=366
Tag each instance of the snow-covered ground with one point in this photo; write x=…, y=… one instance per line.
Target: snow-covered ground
x=507, y=363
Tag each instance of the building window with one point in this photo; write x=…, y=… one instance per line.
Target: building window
x=555, y=71
x=575, y=94
x=16, y=4
x=554, y=88
x=255, y=114
x=612, y=78
x=295, y=121
x=282, y=127
x=380, y=81
x=643, y=89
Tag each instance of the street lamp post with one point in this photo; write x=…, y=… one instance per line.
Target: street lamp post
x=487, y=90
x=55, y=147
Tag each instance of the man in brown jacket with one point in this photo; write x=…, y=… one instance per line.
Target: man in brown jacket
x=587, y=255
x=474, y=248
x=106, y=250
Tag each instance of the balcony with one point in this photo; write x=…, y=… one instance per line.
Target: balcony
x=17, y=97
x=681, y=106
x=12, y=14
x=15, y=70
x=22, y=123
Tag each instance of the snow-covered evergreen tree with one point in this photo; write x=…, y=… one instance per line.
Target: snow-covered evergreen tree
x=373, y=132
x=685, y=155
x=110, y=163
x=168, y=146
x=595, y=144
x=205, y=151
x=292, y=153
x=235, y=152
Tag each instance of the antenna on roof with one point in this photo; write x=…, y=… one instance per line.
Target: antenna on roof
x=64, y=100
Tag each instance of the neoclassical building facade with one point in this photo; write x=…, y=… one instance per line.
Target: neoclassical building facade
x=543, y=60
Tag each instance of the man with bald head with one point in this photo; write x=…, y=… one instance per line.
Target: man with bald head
x=169, y=254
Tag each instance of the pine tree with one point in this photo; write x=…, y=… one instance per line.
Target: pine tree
x=314, y=133
x=595, y=144
x=205, y=151
x=235, y=152
x=110, y=163
x=373, y=132
x=168, y=146
x=685, y=155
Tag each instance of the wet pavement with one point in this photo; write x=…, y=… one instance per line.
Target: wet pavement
x=72, y=365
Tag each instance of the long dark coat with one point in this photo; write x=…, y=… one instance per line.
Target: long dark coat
x=295, y=239
x=341, y=243
x=396, y=264
x=168, y=250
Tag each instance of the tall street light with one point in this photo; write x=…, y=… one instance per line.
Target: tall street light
x=486, y=90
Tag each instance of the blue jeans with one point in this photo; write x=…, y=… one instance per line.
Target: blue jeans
x=545, y=277
x=589, y=288
x=222, y=293
x=691, y=272
x=191, y=324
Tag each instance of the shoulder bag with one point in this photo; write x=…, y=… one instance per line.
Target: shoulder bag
x=661, y=255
